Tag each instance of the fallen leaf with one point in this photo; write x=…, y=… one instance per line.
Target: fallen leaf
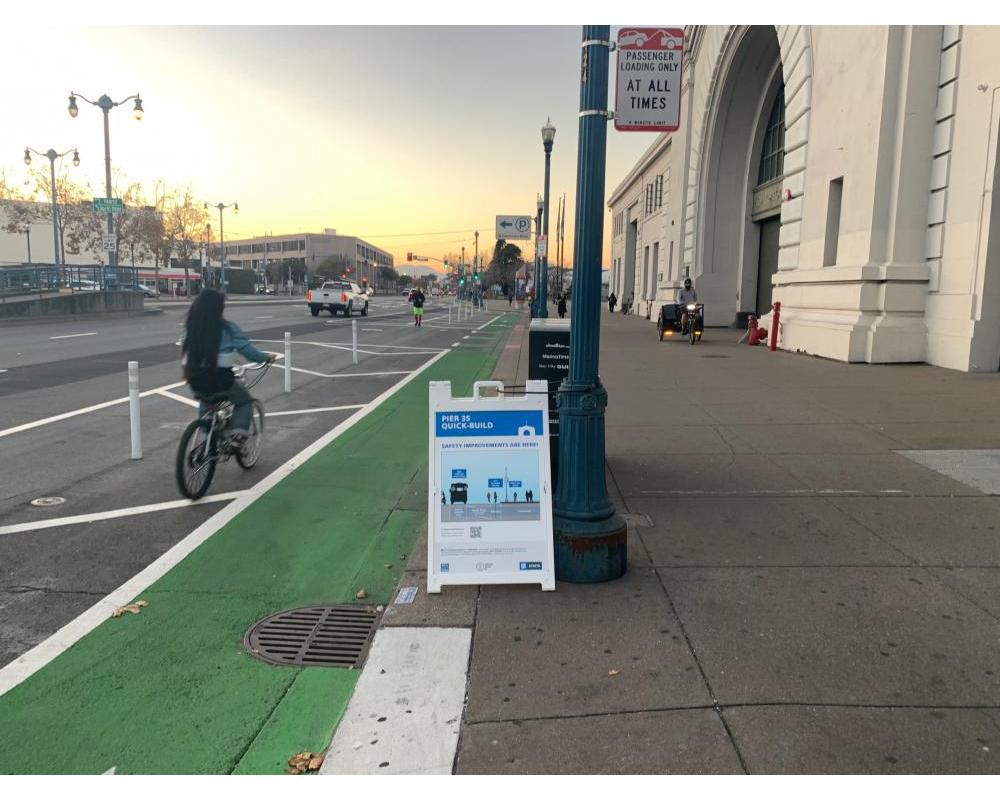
x=131, y=608
x=613, y=672
x=315, y=762
x=361, y=595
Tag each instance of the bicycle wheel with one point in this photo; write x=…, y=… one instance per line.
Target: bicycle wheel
x=195, y=460
x=247, y=457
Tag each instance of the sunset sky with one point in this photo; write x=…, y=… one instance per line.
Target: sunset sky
x=411, y=137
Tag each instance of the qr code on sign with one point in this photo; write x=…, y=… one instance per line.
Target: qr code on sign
x=475, y=532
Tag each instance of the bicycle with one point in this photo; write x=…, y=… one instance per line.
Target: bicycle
x=206, y=440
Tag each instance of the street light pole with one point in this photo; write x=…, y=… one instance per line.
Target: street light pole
x=105, y=103
x=52, y=155
x=548, y=137
x=538, y=260
x=590, y=538
x=222, y=244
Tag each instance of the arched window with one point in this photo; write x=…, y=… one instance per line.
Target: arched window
x=772, y=154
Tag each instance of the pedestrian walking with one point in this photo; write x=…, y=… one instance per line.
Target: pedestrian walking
x=418, y=306
x=612, y=302
x=510, y=300
x=561, y=307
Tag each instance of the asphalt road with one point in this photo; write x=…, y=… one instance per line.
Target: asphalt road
x=48, y=575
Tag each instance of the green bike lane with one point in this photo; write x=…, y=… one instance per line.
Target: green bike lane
x=171, y=690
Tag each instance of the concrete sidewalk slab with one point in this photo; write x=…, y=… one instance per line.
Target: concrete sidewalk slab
x=979, y=585
x=979, y=469
x=653, y=742
x=757, y=531
x=641, y=474
x=873, y=636
x=941, y=531
x=579, y=650
x=869, y=473
x=810, y=740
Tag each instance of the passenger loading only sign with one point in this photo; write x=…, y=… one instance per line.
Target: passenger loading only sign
x=648, y=89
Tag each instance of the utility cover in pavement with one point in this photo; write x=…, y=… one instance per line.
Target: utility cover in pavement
x=315, y=636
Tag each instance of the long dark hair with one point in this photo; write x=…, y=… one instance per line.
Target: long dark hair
x=204, y=331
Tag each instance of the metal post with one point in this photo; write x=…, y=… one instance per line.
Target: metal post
x=222, y=252
x=112, y=254
x=543, y=266
x=449, y=312
x=288, y=361
x=354, y=341
x=133, y=409
x=55, y=208
x=590, y=538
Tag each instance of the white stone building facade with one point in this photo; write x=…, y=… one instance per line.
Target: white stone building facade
x=847, y=172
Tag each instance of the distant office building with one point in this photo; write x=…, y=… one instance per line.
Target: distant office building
x=361, y=258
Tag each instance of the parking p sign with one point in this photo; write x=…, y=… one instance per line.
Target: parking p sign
x=648, y=88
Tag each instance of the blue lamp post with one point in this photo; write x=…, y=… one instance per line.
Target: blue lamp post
x=590, y=538
x=548, y=137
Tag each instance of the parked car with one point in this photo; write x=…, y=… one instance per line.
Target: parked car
x=342, y=296
x=147, y=291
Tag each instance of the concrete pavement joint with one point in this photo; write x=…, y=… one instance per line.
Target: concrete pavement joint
x=701, y=670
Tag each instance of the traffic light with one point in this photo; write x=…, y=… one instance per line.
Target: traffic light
x=461, y=281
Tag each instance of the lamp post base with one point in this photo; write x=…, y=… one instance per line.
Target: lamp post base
x=590, y=538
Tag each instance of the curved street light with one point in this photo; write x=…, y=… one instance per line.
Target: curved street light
x=105, y=103
x=52, y=155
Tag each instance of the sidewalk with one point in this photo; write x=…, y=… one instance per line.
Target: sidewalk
x=802, y=597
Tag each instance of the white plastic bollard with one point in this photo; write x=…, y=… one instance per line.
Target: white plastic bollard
x=354, y=340
x=449, y=315
x=288, y=361
x=133, y=408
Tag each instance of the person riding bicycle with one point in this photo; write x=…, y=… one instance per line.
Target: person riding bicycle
x=685, y=297
x=209, y=345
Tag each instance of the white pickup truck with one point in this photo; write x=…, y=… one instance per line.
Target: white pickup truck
x=342, y=296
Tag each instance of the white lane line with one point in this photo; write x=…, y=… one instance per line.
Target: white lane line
x=411, y=350
x=3, y=370
x=73, y=335
x=41, y=654
x=486, y=325
x=58, y=522
x=353, y=374
x=269, y=316
x=58, y=417
x=312, y=410
x=406, y=709
x=379, y=330
x=179, y=398
x=465, y=337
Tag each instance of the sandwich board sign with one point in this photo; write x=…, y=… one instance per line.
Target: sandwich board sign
x=648, y=85
x=489, y=511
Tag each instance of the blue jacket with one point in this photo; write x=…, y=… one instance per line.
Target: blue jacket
x=235, y=341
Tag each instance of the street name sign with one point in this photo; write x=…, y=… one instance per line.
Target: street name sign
x=108, y=205
x=109, y=242
x=489, y=510
x=648, y=86
x=510, y=226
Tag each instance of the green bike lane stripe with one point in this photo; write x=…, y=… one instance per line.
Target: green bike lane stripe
x=170, y=690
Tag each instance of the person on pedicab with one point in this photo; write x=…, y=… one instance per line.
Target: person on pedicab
x=685, y=297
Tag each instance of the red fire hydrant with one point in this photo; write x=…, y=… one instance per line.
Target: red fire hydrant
x=774, y=326
x=755, y=333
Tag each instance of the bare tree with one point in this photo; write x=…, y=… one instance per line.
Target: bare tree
x=19, y=211
x=184, y=222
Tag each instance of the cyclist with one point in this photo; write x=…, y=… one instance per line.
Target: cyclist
x=210, y=343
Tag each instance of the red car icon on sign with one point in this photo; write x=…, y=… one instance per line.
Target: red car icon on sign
x=638, y=39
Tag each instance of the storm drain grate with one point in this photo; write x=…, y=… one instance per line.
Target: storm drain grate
x=314, y=636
